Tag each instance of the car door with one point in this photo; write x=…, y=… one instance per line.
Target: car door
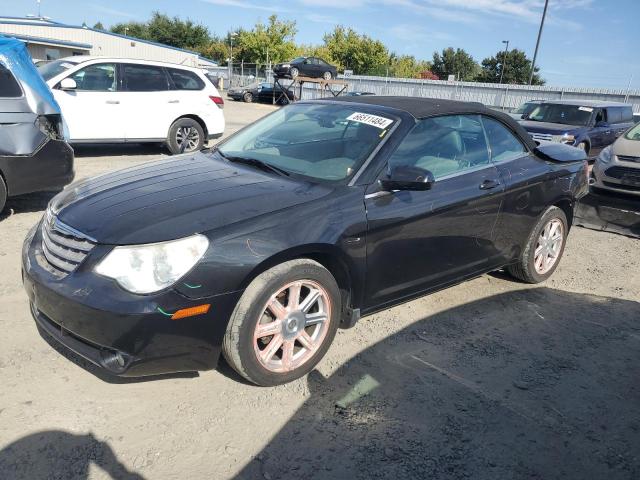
x=524, y=178
x=94, y=109
x=149, y=104
x=419, y=240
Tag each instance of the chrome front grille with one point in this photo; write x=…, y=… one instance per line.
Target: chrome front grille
x=627, y=158
x=544, y=137
x=63, y=247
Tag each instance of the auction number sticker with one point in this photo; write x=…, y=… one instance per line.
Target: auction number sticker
x=368, y=119
x=586, y=109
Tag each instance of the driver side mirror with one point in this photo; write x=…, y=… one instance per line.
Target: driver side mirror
x=405, y=177
x=68, y=84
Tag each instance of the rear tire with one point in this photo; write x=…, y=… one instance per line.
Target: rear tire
x=541, y=256
x=3, y=194
x=268, y=321
x=185, y=130
x=327, y=75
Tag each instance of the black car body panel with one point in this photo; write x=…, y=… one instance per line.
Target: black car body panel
x=312, y=67
x=382, y=247
x=263, y=92
x=33, y=153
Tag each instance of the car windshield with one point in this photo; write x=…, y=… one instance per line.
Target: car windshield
x=525, y=108
x=55, y=68
x=560, y=113
x=319, y=141
x=634, y=133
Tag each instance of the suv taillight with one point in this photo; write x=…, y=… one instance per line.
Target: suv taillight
x=50, y=125
x=219, y=101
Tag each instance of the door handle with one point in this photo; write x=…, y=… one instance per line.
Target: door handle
x=113, y=102
x=174, y=101
x=489, y=184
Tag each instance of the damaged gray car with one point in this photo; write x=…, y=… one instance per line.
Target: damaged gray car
x=34, y=155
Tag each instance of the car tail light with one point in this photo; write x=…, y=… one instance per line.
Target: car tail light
x=50, y=125
x=219, y=101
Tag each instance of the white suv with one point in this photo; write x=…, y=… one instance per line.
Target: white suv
x=107, y=100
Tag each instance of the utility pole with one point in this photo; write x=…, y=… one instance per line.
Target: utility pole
x=535, y=54
x=504, y=59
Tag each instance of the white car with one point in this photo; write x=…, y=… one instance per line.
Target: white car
x=617, y=168
x=106, y=100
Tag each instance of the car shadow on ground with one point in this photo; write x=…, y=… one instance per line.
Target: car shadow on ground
x=115, y=149
x=33, y=202
x=535, y=384
x=59, y=454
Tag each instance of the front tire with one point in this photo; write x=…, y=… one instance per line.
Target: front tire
x=247, y=97
x=294, y=72
x=185, y=135
x=284, y=323
x=544, y=248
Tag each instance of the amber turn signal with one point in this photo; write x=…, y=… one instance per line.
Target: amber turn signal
x=191, y=311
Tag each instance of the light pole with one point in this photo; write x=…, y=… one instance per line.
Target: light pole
x=504, y=59
x=535, y=54
x=231, y=36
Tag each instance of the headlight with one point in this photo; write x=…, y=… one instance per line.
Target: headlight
x=153, y=267
x=285, y=65
x=605, y=155
x=566, y=138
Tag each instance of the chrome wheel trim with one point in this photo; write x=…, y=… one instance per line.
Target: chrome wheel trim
x=188, y=136
x=292, y=326
x=548, y=246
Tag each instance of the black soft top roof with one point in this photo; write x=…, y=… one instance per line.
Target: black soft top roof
x=420, y=107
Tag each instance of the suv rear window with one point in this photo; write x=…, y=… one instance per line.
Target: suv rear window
x=185, y=80
x=9, y=87
x=144, y=78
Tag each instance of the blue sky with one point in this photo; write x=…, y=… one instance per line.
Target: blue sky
x=585, y=42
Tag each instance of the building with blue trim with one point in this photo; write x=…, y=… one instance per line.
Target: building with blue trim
x=49, y=40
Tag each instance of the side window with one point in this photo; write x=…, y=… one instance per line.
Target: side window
x=144, y=78
x=9, y=87
x=503, y=143
x=627, y=114
x=444, y=145
x=614, y=114
x=185, y=80
x=314, y=61
x=96, y=78
x=601, y=116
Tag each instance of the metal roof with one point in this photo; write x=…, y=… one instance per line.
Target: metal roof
x=49, y=41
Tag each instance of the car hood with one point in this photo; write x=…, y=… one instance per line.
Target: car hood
x=629, y=148
x=552, y=128
x=174, y=198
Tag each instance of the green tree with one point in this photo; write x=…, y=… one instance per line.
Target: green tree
x=169, y=31
x=217, y=49
x=407, y=66
x=356, y=52
x=454, y=62
x=273, y=40
x=99, y=26
x=516, y=70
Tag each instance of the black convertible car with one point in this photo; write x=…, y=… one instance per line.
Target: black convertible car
x=312, y=67
x=295, y=226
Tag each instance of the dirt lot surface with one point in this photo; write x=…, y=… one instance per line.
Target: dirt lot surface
x=491, y=379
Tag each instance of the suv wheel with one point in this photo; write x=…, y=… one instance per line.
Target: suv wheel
x=284, y=323
x=544, y=248
x=185, y=135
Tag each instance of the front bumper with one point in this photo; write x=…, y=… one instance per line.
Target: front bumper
x=616, y=176
x=122, y=333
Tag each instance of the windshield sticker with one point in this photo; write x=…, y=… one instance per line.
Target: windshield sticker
x=586, y=109
x=368, y=119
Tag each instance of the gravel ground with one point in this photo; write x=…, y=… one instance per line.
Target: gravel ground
x=489, y=379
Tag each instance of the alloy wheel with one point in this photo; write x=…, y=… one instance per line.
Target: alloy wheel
x=292, y=326
x=549, y=246
x=187, y=139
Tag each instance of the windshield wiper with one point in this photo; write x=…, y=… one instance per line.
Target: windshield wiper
x=255, y=163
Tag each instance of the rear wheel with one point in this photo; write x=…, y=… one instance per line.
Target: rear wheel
x=327, y=75
x=544, y=248
x=247, y=97
x=3, y=194
x=185, y=135
x=284, y=323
